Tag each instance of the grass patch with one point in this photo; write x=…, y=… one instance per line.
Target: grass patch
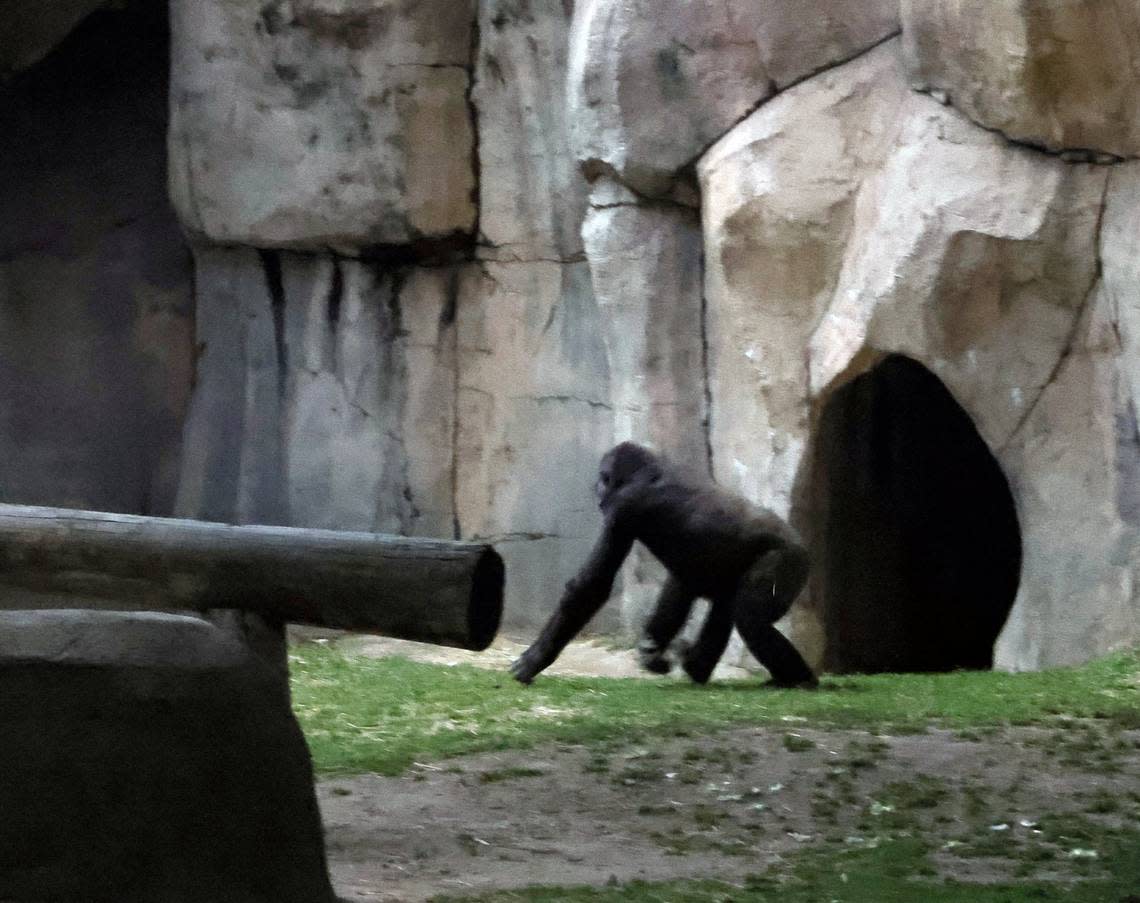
x=380, y=715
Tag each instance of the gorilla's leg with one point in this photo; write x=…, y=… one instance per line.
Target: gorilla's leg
x=700, y=658
x=764, y=595
x=668, y=617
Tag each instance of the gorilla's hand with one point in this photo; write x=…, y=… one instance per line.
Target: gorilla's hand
x=536, y=659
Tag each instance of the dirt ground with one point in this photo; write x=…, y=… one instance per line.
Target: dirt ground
x=724, y=806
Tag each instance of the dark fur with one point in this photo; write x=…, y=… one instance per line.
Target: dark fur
x=745, y=560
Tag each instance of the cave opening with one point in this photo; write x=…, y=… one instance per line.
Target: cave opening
x=918, y=543
x=96, y=302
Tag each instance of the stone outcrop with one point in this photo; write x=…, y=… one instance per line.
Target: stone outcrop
x=1075, y=464
x=850, y=219
x=1061, y=75
x=653, y=84
x=306, y=124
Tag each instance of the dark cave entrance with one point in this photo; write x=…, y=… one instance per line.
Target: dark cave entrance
x=96, y=302
x=918, y=545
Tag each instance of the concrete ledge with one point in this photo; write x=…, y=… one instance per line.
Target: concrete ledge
x=149, y=758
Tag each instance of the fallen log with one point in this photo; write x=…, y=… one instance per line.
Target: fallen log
x=433, y=591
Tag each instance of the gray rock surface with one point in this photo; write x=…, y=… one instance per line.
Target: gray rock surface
x=150, y=757
x=325, y=394
x=531, y=196
x=533, y=420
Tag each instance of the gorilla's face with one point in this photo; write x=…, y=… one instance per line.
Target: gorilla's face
x=622, y=465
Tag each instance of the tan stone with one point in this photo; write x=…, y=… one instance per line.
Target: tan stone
x=849, y=219
x=779, y=197
x=315, y=124
x=1076, y=467
x=646, y=101
x=1059, y=74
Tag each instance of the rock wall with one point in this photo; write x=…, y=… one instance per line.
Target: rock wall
x=397, y=325
x=447, y=253
x=96, y=308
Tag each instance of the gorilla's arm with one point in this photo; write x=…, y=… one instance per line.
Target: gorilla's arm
x=584, y=595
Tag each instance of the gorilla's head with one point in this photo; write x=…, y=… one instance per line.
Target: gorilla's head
x=624, y=465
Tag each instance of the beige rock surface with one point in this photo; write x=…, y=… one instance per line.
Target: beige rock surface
x=1076, y=467
x=1058, y=74
x=652, y=84
x=779, y=197
x=849, y=219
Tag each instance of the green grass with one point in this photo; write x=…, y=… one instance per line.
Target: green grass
x=382, y=715
x=896, y=871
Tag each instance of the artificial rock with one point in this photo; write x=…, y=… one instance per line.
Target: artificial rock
x=652, y=85
x=851, y=219
x=151, y=757
x=310, y=124
x=1062, y=75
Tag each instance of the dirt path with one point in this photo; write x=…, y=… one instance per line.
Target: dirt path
x=724, y=806
x=590, y=658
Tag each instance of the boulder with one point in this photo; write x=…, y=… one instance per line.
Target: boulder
x=1075, y=465
x=1059, y=75
x=150, y=757
x=314, y=124
x=779, y=197
x=652, y=85
x=857, y=221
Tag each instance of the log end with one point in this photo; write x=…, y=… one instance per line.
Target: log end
x=485, y=608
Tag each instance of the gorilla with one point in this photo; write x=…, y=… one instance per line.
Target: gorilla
x=745, y=560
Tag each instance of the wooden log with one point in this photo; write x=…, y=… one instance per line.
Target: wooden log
x=434, y=591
